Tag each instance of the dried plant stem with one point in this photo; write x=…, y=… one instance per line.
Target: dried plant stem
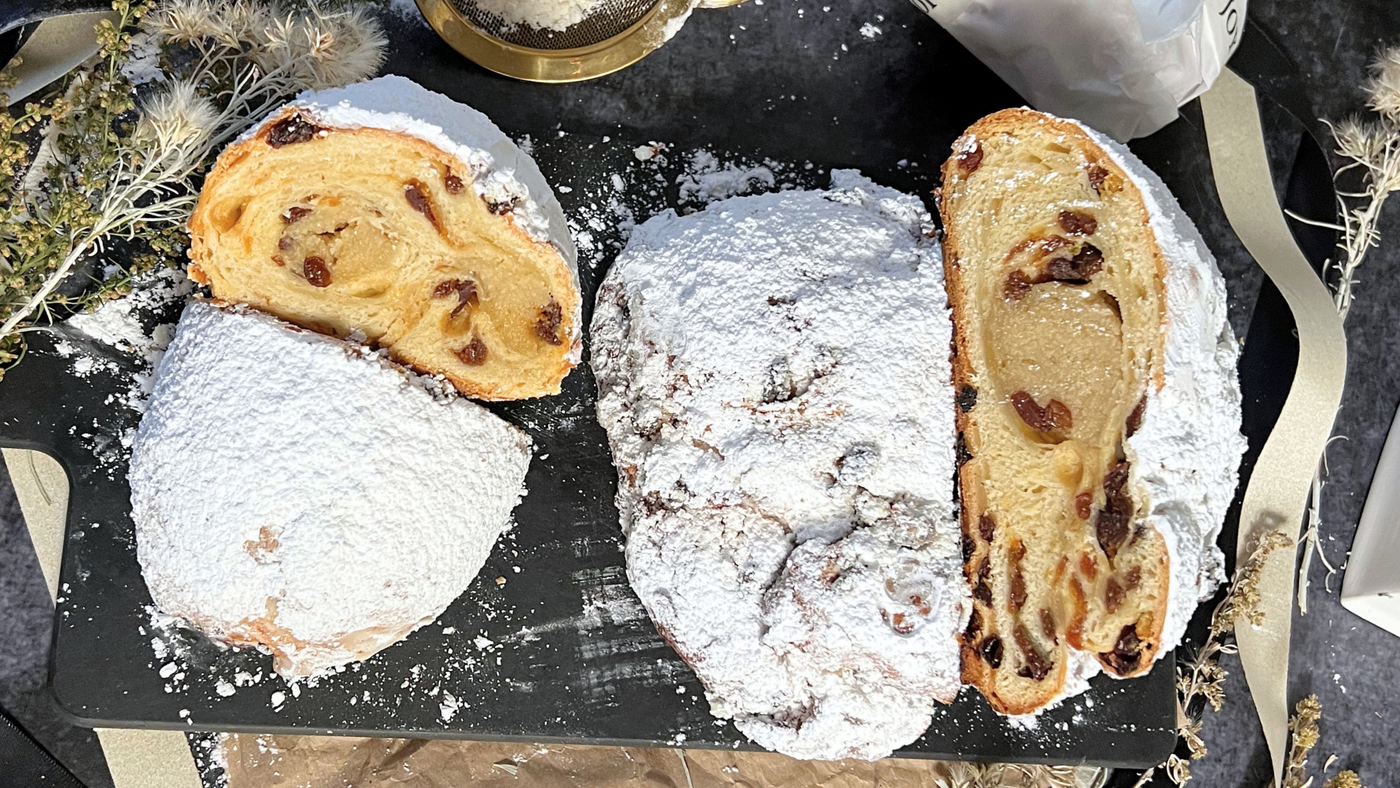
x=1373, y=148
x=1304, y=736
x=1145, y=778
x=1310, y=540
x=1200, y=680
x=121, y=209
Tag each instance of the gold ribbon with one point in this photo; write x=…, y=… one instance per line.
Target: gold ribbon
x=1278, y=489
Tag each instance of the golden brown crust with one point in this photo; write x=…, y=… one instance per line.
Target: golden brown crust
x=210, y=262
x=961, y=166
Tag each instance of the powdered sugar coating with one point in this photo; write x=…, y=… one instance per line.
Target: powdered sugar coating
x=291, y=489
x=503, y=174
x=774, y=378
x=1186, y=454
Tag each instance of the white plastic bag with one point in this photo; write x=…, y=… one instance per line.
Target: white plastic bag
x=1122, y=66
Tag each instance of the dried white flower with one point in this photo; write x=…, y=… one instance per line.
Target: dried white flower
x=1373, y=148
x=1356, y=138
x=1384, y=86
x=316, y=48
x=176, y=118
x=354, y=50
x=247, y=20
x=185, y=21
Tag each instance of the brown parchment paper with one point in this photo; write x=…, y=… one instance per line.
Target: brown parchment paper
x=268, y=761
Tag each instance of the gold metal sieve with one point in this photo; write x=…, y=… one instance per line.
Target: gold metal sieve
x=616, y=35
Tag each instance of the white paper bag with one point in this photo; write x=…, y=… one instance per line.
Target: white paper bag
x=1371, y=588
x=1122, y=66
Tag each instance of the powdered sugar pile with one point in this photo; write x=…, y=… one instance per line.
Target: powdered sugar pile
x=121, y=322
x=773, y=375
x=293, y=491
x=143, y=66
x=707, y=180
x=122, y=337
x=558, y=15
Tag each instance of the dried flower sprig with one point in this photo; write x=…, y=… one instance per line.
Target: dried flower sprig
x=40, y=226
x=1344, y=779
x=1372, y=148
x=1200, y=680
x=1304, y=736
x=118, y=171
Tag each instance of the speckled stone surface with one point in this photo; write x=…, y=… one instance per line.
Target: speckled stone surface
x=1353, y=666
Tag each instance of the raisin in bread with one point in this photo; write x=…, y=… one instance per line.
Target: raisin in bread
x=1098, y=406
x=392, y=211
x=300, y=494
x=773, y=376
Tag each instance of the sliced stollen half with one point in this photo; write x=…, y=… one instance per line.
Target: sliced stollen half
x=387, y=210
x=306, y=496
x=1098, y=407
x=773, y=376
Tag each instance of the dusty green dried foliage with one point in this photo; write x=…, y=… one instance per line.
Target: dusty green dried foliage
x=111, y=167
x=43, y=216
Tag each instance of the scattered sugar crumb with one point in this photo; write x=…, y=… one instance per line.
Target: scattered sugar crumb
x=449, y=707
x=706, y=180
x=407, y=10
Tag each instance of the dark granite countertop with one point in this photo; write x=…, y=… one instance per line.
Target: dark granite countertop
x=1353, y=666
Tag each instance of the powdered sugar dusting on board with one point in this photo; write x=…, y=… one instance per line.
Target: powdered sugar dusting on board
x=407, y=10
x=773, y=375
x=121, y=322
x=240, y=532
x=123, y=337
x=707, y=179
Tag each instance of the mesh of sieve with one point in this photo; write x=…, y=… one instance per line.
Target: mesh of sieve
x=611, y=18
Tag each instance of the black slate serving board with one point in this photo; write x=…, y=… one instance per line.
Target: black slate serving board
x=570, y=656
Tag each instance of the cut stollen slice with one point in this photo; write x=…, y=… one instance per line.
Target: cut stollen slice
x=1098, y=407
x=305, y=496
x=389, y=211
